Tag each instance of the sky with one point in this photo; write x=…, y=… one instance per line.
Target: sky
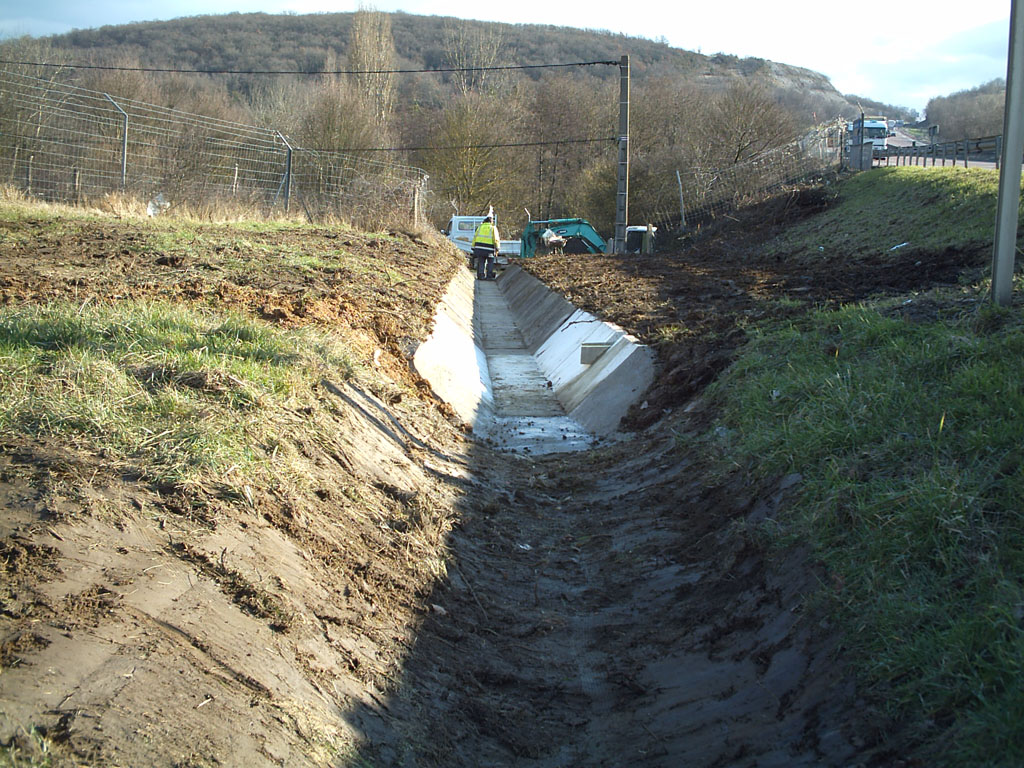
x=901, y=56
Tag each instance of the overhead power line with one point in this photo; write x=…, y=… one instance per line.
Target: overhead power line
x=448, y=147
x=304, y=72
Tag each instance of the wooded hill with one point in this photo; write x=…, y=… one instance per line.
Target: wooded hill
x=310, y=43
x=540, y=138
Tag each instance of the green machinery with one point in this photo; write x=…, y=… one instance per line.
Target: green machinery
x=567, y=235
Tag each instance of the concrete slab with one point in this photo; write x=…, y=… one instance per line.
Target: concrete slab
x=528, y=416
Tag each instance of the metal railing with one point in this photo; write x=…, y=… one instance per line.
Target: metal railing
x=63, y=143
x=965, y=151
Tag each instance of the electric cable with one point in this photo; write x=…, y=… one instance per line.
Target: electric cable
x=447, y=148
x=303, y=72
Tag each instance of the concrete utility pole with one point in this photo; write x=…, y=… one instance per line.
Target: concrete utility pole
x=622, y=192
x=1005, y=245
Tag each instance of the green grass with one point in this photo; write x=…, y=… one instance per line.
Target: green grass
x=910, y=440
x=176, y=392
x=26, y=749
x=929, y=209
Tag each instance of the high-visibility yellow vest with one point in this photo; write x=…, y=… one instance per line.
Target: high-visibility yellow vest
x=485, y=235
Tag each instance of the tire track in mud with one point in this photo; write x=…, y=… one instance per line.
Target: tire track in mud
x=632, y=623
x=582, y=644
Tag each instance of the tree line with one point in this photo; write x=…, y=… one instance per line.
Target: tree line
x=971, y=113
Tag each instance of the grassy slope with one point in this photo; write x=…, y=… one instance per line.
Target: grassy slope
x=906, y=208
x=181, y=392
x=905, y=419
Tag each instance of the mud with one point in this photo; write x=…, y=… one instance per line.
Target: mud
x=420, y=600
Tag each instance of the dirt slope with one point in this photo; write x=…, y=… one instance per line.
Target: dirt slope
x=431, y=603
x=152, y=625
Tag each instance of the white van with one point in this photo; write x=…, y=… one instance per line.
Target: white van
x=461, y=229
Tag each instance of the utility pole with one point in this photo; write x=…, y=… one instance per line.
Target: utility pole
x=1005, y=245
x=622, y=191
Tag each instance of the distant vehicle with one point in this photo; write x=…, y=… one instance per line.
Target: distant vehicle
x=871, y=129
x=461, y=229
x=635, y=238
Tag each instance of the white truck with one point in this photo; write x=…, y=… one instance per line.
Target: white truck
x=460, y=231
x=872, y=129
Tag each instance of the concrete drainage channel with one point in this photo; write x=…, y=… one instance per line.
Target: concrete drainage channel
x=526, y=369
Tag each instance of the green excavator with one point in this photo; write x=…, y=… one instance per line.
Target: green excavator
x=560, y=236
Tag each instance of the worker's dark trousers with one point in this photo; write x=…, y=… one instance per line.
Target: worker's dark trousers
x=484, y=263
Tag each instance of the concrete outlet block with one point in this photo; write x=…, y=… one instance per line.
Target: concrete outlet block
x=590, y=351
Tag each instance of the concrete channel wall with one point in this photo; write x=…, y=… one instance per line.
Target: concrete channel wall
x=598, y=394
x=452, y=360
x=594, y=368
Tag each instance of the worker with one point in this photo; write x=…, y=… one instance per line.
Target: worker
x=485, y=248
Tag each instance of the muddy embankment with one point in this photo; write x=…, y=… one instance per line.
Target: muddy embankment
x=606, y=607
x=424, y=596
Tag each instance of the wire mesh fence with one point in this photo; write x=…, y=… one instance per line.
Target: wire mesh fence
x=63, y=143
x=705, y=194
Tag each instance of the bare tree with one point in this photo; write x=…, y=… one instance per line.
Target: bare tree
x=746, y=121
x=371, y=52
x=472, y=49
x=564, y=108
x=472, y=164
x=668, y=133
x=278, y=102
x=336, y=117
x=24, y=121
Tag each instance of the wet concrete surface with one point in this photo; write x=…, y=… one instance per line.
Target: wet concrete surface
x=528, y=417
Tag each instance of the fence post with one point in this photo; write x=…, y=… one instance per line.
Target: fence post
x=999, y=150
x=287, y=173
x=416, y=204
x=28, y=178
x=967, y=149
x=682, y=208
x=124, y=143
